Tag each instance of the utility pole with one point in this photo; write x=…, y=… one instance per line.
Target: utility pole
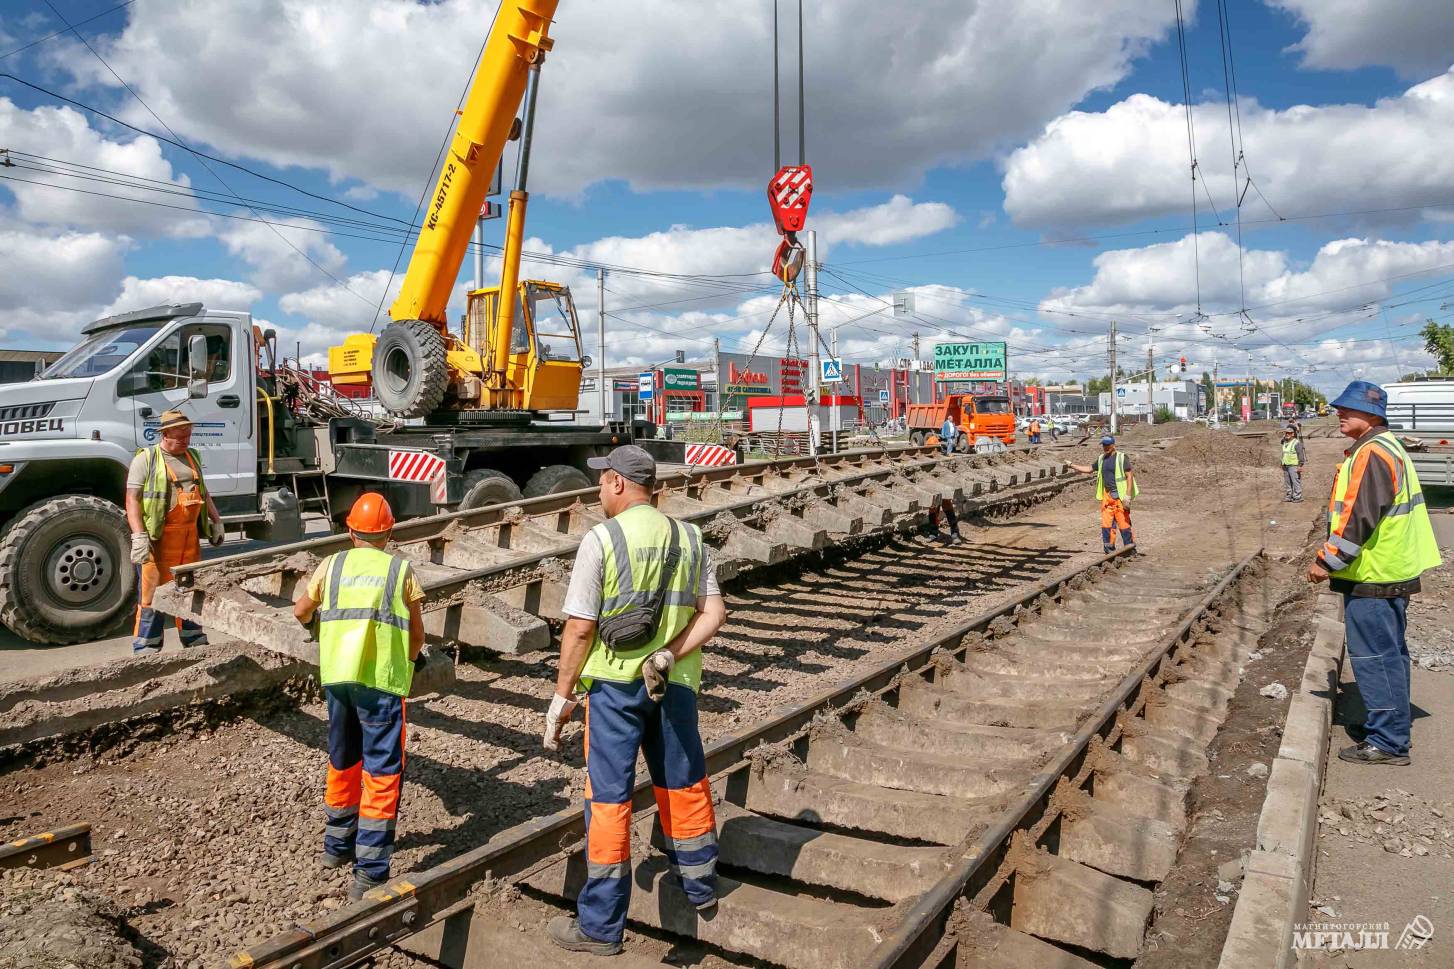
x=480, y=253
x=1150, y=384
x=914, y=370
x=721, y=381
x=1216, y=400
x=1113, y=376
x=834, y=418
x=601, y=340
x=814, y=396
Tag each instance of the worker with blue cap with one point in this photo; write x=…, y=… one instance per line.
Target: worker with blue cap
x=1379, y=543
x=1115, y=487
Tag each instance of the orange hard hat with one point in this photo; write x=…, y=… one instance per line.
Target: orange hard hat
x=371, y=514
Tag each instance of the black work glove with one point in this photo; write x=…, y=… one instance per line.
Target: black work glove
x=421, y=660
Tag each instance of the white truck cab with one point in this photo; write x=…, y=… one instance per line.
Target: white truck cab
x=67, y=439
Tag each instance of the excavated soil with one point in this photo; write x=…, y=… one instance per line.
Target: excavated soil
x=206, y=841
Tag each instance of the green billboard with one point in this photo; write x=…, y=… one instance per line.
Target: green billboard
x=675, y=378
x=969, y=361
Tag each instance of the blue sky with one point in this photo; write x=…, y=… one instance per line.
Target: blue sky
x=1022, y=163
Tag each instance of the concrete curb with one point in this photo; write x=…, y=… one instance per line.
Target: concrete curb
x=1279, y=870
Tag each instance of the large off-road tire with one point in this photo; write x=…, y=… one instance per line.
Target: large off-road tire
x=65, y=570
x=916, y=438
x=409, y=370
x=486, y=486
x=555, y=478
x=962, y=445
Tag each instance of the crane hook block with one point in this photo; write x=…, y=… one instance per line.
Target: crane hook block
x=789, y=193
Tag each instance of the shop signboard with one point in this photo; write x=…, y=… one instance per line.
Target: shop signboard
x=970, y=361
x=679, y=379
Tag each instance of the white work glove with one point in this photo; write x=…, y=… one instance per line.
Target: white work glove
x=140, y=548
x=656, y=671
x=560, y=710
x=219, y=532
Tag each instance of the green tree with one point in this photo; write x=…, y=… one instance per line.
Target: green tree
x=1163, y=414
x=1439, y=341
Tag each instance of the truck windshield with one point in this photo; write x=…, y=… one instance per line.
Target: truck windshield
x=100, y=353
x=992, y=405
x=554, y=316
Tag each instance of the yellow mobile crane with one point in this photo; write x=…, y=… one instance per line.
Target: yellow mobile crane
x=517, y=357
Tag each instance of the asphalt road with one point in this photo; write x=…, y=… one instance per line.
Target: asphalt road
x=20, y=658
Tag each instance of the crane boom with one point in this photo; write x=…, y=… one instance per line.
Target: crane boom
x=518, y=39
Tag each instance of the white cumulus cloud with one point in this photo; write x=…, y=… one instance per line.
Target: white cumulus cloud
x=276, y=252
x=1414, y=37
x=660, y=92
x=1129, y=162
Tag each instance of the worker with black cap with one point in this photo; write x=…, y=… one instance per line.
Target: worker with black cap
x=1294, y=456
x=643, y=599
x=1379, y=543
x=1115, y=487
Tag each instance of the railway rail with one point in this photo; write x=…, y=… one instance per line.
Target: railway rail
x=755, y=516
x=1029, y=766
x=495, y=576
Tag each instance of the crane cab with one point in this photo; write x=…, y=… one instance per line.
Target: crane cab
x=544, y=366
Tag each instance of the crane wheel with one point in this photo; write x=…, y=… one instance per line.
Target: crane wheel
x=409, y=370
x=65, y=570
x=486, y=486
x=554, y=479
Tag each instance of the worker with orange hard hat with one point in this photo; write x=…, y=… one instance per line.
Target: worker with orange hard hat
x=368, y=605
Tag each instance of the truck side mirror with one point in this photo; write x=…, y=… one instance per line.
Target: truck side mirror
x=196, y=366
x=586, y=362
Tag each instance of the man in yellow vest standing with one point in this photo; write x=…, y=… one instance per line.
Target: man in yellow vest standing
x=1115, y=487
x=1379, y=542
x=370, y=636
x=1294, y=456
x=643, y=599
x=165, y=500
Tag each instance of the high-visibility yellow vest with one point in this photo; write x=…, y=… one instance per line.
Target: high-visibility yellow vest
x=1121, y=491
x=156, y=492
x=1289, y=453
x=363, y=621
x=634, y=546
x=1402, y=546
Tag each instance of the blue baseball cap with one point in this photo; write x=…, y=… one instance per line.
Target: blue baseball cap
x=1108, y=440
x=1365, y=397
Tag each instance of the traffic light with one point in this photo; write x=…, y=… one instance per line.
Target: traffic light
x=1183, y=364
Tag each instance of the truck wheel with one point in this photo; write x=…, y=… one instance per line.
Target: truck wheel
x=65, y=570
x=962, y=445
x=555, y=478
x=916, y=438
x=409, y=369
x=486, y=486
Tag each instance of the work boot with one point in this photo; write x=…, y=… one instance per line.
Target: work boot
x=1366, y=753
x=566, y=932
x=363, y=883
x=329, y=860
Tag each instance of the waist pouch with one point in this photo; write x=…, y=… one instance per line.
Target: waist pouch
x=636, y=627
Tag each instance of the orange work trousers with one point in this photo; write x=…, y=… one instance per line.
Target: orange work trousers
x=179, y=545
x=1115, y=516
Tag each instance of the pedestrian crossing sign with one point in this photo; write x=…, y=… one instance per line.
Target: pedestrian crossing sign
x=832, y=370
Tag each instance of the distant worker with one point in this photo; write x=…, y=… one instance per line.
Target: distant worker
x=947, y=435
x=165, y=498
x=1054, y=433
x=1115, y=489
x=370, y=641
x=1034, y=430
x=1379, y=543
x=1294, y=456
x=642, y=600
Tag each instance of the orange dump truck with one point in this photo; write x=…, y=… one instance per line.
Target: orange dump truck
x=976, y=417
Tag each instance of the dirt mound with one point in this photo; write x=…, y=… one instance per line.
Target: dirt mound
x=1208, y=448
x=57, y=924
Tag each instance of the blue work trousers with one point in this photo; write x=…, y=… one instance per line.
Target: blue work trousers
x=365, y=772
x=1380, y=659
x=620, y=720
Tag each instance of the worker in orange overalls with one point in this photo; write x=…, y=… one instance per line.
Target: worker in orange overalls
x=1115, y=487
x=165, y=501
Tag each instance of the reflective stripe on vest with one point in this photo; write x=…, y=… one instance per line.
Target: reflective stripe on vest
x=1402, y=545
x=1120, y=479
x=633, y=548
x=1289, y=453
x=156, y=492
x=363, y=621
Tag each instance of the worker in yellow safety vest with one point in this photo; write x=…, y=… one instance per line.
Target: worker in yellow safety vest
x=1115, y=487
x=166, y=498
x=370, y=640
x=642, y=600
x=1379, y=543
x=1294, y=456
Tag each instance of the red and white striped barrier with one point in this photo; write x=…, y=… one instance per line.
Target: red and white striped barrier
x=710, y=455
x=414, y=465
